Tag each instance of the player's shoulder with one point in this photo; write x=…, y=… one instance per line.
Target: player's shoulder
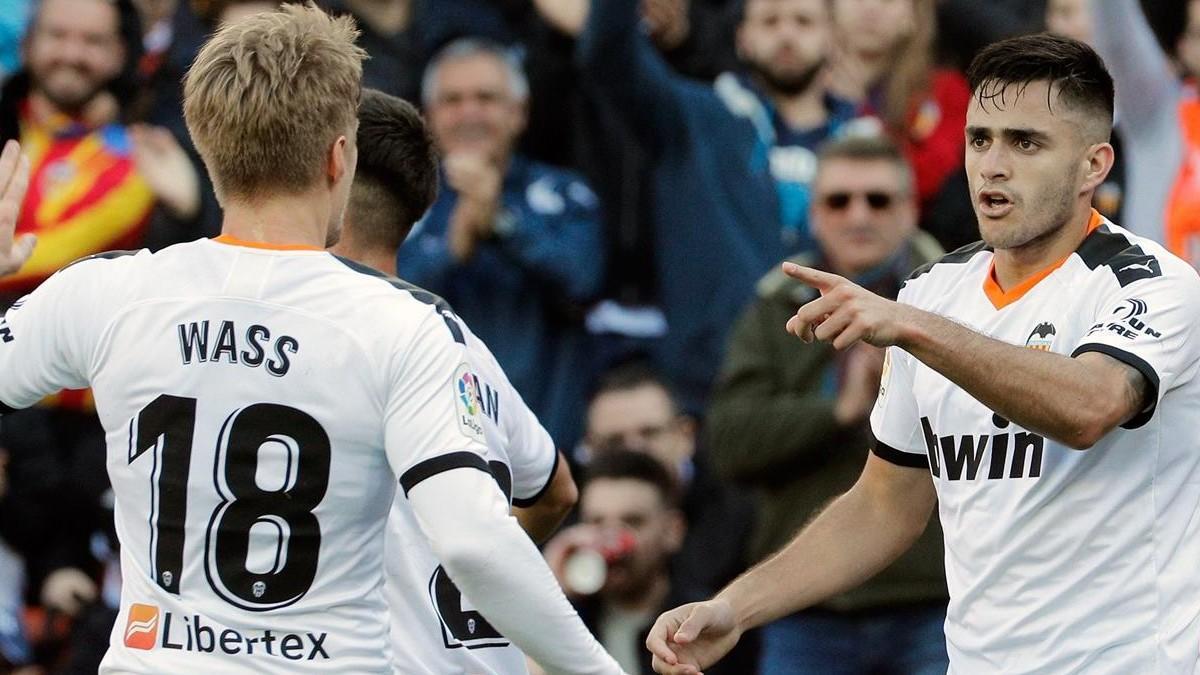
x=948, y=270
x=394, y=286
x=96, y=274
x=1116, y=257
x=382, y=300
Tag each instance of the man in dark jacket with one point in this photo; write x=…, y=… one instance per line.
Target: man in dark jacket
x=789, y=419
x=732, y=163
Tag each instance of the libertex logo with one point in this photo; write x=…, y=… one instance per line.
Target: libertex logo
x=148, y=628
x=142, y=630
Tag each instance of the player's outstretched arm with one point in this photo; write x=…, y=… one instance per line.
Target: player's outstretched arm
x=1075, y=401
x=856, y=536
x=542, y=518
x=14, y=179
x=497, y=567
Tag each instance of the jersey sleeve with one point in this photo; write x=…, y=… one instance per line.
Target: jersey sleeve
x=47, y=338
x=895, y=426
x=432, y=420
x=533, y=455
x=1152, y=325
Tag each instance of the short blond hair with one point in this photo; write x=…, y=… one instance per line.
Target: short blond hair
x=267, y=96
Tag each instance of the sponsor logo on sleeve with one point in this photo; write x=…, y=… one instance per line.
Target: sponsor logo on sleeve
x=468, y=403
x=1127, y=321
x=886, y=373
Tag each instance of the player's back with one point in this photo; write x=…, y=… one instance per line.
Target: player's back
x=246, y=394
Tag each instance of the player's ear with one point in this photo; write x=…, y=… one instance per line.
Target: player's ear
x=1099, y=161
x=337, y=160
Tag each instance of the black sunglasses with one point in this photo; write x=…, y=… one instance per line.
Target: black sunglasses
x=838, y=201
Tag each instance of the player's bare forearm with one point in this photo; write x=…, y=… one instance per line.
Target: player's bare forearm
x=1072, y=400
x=1075, y=401
x=856, y=536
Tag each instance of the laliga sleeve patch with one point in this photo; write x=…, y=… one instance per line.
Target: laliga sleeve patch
x=468, y=403
x=886, y=373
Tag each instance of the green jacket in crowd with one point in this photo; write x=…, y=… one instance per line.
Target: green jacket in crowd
x=771, y=428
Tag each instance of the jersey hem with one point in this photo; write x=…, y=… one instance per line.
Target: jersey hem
x=899, y=457
x=1141, y=366
x=530, y=501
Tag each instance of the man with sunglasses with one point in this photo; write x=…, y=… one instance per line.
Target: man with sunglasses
x=789, y=420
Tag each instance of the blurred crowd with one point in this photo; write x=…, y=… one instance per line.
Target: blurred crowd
x=620, y=180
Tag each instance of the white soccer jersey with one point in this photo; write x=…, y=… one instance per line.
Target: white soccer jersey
x=1059, y=560
x=435, y=630
x=260, y=405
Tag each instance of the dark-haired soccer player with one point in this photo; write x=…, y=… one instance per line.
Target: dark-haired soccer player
x=1047, y=379
x=431, y=622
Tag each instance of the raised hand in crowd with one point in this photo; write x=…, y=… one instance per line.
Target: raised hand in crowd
x=667, y=21
x=563, y=545
x=477, y=182
x=567, y=16
x=14, y=179
x=166, y=167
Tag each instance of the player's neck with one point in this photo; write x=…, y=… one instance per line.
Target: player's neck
x=288, y=220
x=380, y=260
x=1015, y=265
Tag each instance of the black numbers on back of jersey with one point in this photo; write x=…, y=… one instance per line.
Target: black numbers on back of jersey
x=242, y=573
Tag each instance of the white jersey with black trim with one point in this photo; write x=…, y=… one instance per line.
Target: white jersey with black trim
x=434, y=629
x=260, y=405
x=1060, y=560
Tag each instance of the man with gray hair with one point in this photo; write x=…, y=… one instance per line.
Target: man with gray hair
x=513, y=245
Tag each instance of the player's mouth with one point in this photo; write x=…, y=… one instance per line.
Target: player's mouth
x=995, y=204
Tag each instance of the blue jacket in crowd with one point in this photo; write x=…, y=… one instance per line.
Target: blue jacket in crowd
x=730, y=190
x=522, y=293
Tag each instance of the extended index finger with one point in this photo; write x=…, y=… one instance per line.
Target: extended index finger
x=819, y=280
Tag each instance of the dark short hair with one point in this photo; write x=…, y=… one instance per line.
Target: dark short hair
x=631, y=375
x=1070, y=65
x=623, y=464
x=397, y=176
x=867, y=148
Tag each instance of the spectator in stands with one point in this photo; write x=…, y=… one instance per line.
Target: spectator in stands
x=389, y=32
x=629, y=494
x=95, y=181
x=790, y=420
x=634, y=409
x=732, y=162
x=513, y=245
x=1158, y=111
x=885, y=63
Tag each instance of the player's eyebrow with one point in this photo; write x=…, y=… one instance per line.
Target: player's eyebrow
x=1009, y=133
x=1023, y=133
